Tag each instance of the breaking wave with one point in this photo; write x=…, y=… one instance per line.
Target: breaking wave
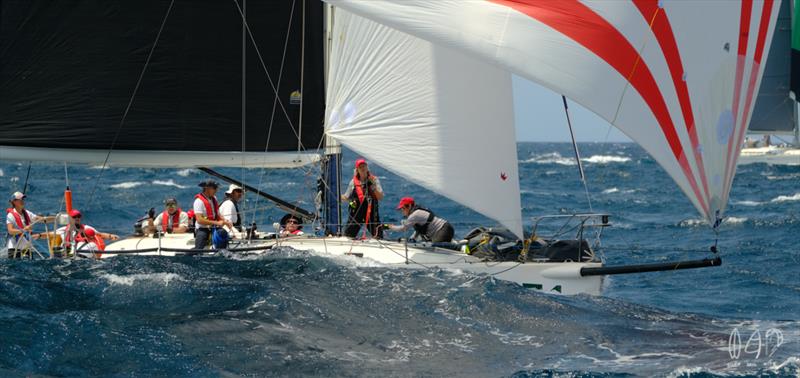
x=556, y=158
x=606, y=159
x=795, y=197
x=184, y=172
x=133, y=184
x=127, y=185
x=748, y=203
x=169, y=183
x=129, y=280
x=551, y=158
x=616, y=190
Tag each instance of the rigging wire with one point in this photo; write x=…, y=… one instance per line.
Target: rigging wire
x=130, y=101
x=302, y=73
x=265, y=172
x=577, y=154
x=244, y=106
x=27, y=175
x=266, y=71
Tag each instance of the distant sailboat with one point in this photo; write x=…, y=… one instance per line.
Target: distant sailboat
x=775, y=112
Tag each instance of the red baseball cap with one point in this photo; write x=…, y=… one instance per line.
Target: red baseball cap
x=360, y=161
x=405, y=201
x=74, y=213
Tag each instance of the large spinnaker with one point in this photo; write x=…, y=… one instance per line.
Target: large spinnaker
x=69, y=69
x=678, y=77
x=429, y=113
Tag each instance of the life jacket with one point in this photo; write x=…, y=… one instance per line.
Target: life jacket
x=176, y=220
x=422, y=229
x=18, y=219
x=78, y=238
x=359, y=196
x=86, y=239
x=207, y=205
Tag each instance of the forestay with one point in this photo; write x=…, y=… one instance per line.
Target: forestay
x=429, y=113
x=678, y=77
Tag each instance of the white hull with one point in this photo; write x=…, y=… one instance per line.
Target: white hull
x=770, y=155
x=552, y=277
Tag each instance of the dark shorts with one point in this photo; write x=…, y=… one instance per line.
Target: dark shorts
x=444, y=234
x=202, y=237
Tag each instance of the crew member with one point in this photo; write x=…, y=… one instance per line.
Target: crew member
x=362, y=194
x=78, y=236
x=291, y=226
x=229, y=209
x=19, y=223
x=427, y=226
x=206, y=213
x=172, y=220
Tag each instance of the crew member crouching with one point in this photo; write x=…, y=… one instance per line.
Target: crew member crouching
x=427, y=226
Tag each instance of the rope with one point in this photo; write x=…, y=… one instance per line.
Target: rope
x=130, y=102
x=275, y=101
x=244, y=102
x=266, y=71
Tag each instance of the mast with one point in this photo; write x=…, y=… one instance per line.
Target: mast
x=332, y=161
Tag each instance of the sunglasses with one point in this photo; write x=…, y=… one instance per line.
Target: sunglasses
x=78, y=217
x=172, y=206
x=292, y=221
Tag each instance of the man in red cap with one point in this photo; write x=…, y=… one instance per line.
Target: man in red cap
x=76, y=235
x=427, y=226
x=362, y=194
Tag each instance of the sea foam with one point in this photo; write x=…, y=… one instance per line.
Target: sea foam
x=127, y=185
x=795, y=197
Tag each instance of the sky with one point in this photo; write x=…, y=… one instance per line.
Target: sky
x=539, y=114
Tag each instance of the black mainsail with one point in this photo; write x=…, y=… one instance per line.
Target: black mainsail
x=68, y=70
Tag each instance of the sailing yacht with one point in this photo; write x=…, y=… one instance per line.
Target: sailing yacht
x=423, y=89
x=775, y=113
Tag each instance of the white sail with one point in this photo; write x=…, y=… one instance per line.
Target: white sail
x=430, y=114
x=678, y=77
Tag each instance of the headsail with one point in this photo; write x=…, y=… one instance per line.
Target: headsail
x=428, y=113
x=68, y=70
x=774, y=111
x=678, y=77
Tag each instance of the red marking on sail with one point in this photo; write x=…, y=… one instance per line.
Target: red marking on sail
x=590, y=30
x=660, y=25
x=763, y=27
x=503, y=176
x=744, y=36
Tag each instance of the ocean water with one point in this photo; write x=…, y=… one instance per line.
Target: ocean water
x=292, y=313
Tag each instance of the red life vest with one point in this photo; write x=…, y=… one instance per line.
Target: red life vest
x=359, y=189
x=176, y=220
x=361, y=196
x=207, y=205
x=18, y=219
x=68, y=235
x=82, y=237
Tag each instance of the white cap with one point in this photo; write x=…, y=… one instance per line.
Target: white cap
x=17, y=196
x=233, y=187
